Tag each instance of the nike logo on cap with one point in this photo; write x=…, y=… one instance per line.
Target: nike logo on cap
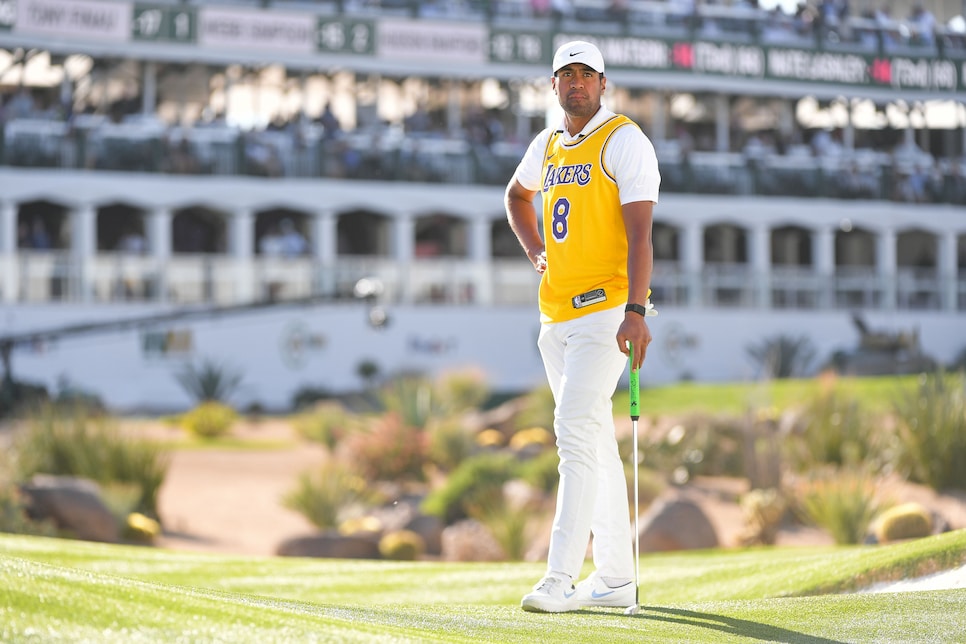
x=575, y=53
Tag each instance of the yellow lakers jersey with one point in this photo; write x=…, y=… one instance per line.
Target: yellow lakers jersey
x=583, y=227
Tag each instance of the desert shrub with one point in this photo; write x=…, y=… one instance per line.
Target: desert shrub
x=763, y=512
x=209, y=420
x=905, y=521
x=328, y=495
x=511, y=525
x=458, y=391
x=402, y=545
x=388, y=449
x=834, y=429
x=310, y=395
x=541, y=470
x=326, y=423
x=121, y=498
x=13, y=514
x=536, y=409
x=70, y=442
x=842, y=502
x=450, y=443
x=13, y=508
x=16, y=395
x=209, y=381
x=782, y=356
x=698, y=445
x=477, y=482
x=410, y=396
x=931, y=427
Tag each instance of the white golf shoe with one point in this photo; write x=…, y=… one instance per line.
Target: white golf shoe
x=594, y=592
x=550, y=595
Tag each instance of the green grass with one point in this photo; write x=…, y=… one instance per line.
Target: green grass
x=875, y=394
x=66, y=591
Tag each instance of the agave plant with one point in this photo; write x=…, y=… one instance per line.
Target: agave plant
x=209, y=381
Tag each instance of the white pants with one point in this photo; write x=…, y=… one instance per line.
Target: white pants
x=584, y=365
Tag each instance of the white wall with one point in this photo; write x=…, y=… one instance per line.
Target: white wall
x=706, y=344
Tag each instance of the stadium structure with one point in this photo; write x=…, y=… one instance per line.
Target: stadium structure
x=305, y=192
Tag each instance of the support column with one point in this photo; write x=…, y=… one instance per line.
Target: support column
x=149, y=87
x=823, y=243
x=761, y=265
x=722, y=122
x=848, y=132
x=454, y=116
x=158, y=236
x=947, y=271
x=159, y=233
x=83, y=247
x=241, y=236
x=659, y=117
x=325, y=249
x=404, y=241
x=481, y=254
x=692, y=260
x=8, y=251
x=885, y=264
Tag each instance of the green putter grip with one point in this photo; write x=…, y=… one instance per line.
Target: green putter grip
x=635, y=387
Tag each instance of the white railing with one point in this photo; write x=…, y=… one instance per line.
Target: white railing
x=190, y=279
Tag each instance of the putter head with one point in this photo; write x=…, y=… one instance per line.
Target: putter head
x=631, y=610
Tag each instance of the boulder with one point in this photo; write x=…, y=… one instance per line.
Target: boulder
x=73, y=504
x=676, y=523
x=430, y=528
x=469, y=540
x=332, y=545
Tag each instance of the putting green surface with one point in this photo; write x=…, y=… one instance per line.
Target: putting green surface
x=66, y=591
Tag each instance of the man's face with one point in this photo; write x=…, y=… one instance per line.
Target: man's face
x=578, y=89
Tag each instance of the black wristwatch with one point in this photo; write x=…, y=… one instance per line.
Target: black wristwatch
x=636, y=308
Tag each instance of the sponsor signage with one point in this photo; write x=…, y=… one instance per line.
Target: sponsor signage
x=743, y=61
x=75, y=19
x=418, y=39
x=305, y=33
x=256, y=30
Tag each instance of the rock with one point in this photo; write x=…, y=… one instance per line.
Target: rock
x=73, y=504
x=676, y=524
x=430, y=528
x=332, y=545
x=469, y=540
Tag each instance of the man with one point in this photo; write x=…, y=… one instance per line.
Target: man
x=599, y=180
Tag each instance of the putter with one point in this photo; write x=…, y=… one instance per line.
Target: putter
x=635, y=408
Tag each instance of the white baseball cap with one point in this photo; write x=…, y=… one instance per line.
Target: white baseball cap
x=578, y=51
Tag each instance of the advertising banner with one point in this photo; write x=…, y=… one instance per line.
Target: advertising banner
x=745, y=61
x=254, y=30
x=418, y=39
x=75, y=19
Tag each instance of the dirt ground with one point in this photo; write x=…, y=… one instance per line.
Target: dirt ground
x=229, y=500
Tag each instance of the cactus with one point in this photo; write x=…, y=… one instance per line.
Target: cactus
x=906, y=521
x=402, y=545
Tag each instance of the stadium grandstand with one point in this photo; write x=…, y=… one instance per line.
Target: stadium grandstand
x=298, y=187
